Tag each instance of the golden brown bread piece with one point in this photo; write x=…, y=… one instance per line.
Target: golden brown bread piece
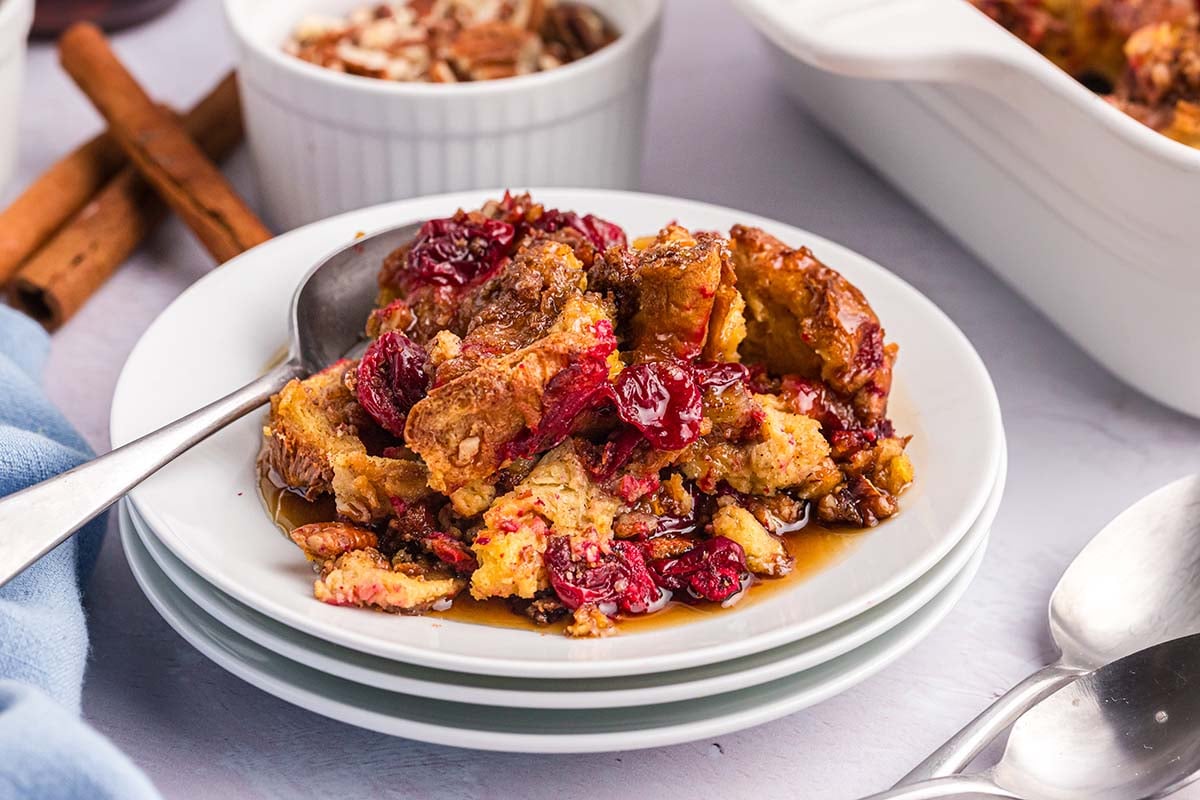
x=557, y=498
x=516, y=307
x=463, y=428
x=765, y=554
x=727, y=325
x=665, y=291
x=788, y=452
x=806, y=319
x=310, y=422
x=366, y=578
x=365, y=485
x=679, y=274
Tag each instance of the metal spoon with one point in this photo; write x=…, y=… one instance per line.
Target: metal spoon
x=328, y=310
x=1137, y=583
x=1128, y=731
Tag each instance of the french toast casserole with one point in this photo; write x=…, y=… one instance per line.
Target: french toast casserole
x=586, y=428
x=1142, y=56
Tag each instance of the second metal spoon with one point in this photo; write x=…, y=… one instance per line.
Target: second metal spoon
x=1137, y=583
x=1128, y=731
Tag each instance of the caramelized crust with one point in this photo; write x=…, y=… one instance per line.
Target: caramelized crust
x=517, y=307
x=804, y=318
x=679, y=275
x=666, y=290
x=311, y=422
x=727, y=325
x=463, y=428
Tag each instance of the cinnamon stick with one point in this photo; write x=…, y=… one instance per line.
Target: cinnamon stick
x=54, y=198
x=160, y=148
x=60, y=277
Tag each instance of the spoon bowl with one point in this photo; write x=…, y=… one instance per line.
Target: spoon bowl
x=1127, y=731
x=335, y=296
x=325, y=324
x=1137, y=583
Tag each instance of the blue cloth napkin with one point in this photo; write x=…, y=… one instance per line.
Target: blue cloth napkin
x=46, y=751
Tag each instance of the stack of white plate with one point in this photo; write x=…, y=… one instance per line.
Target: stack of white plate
x=214, y=565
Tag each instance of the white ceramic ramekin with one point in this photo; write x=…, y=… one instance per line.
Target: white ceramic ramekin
x=1088, y=214
x=16, y=17
x=324, y=142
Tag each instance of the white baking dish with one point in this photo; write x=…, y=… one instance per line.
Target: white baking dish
x=1091, y=216
x=324, y=142
x=16, y=17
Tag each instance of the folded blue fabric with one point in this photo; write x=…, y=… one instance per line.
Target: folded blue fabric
x=46, y=751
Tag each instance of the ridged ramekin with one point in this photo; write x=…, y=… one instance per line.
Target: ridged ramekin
x=324, y=142
x=16, y=17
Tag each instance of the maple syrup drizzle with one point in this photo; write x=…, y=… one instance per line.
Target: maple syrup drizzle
x=814, y=548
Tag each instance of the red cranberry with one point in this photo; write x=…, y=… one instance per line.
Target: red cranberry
x=450, y=551
x=632, y=488
x=392, y=379
x=813, y=399
x=580, y=386
x=870, y=356
x=457, y=251
x=601, y=233
x=523, y=211
x=660, y=399
x=619, y=577
x=712, y=570
x=617, y=452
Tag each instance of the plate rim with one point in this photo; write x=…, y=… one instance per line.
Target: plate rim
x=398, y=211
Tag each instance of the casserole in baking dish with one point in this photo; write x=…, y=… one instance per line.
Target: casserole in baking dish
x=1085, y=211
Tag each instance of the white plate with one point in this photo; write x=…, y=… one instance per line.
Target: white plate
x=632, y=690
x=204, y=506
x=520, y=730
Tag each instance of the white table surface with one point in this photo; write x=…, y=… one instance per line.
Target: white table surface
x=1082, y=447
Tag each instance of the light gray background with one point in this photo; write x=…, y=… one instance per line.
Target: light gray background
x=1082, y=447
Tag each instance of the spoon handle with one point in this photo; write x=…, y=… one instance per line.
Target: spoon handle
x=35, y=520
x=962, y=748
x=951, y=786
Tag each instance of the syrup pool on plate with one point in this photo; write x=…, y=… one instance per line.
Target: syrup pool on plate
x=813, y=548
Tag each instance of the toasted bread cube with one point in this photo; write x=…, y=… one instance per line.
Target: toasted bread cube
x=364, y=485
x=765, y=554
x=806, y=319
x=511, y=562
x=310, y=422
x=462, y=428
x=790, y=453
x=558, y=497
x=365, y=578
